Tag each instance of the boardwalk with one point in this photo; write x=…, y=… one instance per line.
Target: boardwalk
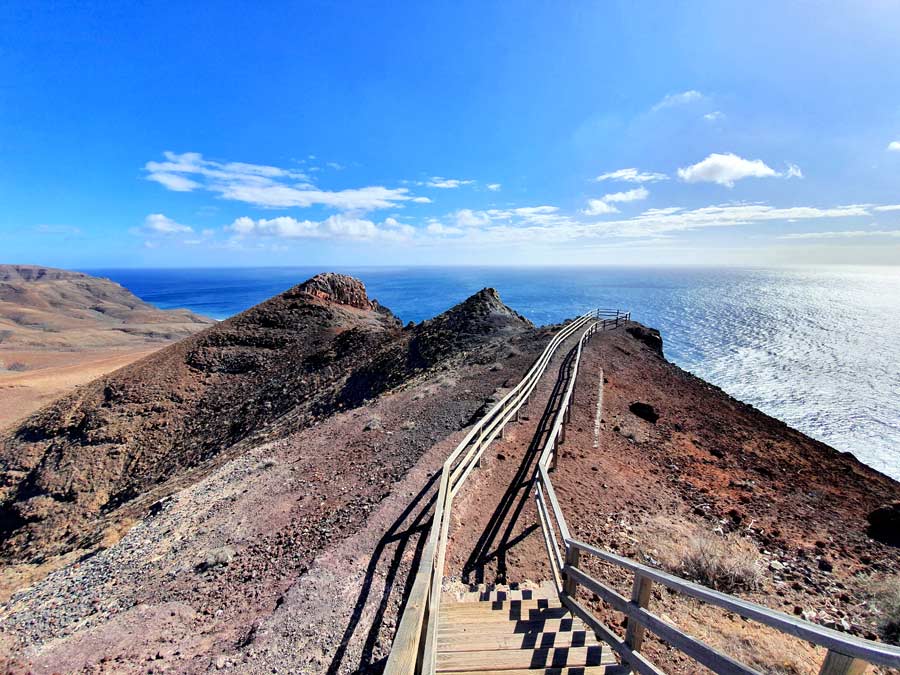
x=547, y=629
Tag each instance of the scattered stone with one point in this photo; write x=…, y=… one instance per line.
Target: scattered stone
x=217, y=557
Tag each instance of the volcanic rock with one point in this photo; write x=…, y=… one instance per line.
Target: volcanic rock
x=884, y=524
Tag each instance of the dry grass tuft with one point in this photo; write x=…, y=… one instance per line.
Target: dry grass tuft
x=724, y=563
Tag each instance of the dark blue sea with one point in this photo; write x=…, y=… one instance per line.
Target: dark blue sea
x=816, y=347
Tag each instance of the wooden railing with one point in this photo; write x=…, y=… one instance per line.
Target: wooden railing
x=414, y=647
x=847, y=655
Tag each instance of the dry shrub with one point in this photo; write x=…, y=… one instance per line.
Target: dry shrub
x=725, y=563
x=885, y=600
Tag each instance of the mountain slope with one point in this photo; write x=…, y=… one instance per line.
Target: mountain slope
x=283, y=365
x=50, y=308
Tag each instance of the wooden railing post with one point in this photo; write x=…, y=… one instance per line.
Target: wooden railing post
x=569, y=584
x=836, y=663
x=640, y=596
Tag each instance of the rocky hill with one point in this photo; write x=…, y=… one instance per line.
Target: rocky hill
x=319, y=348
x=42, y=307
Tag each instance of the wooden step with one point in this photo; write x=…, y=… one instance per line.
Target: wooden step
x=462, y=642
x=511, y=627
x=503, y=595
x=554, y=657
x=504, y=615
x=499, y=606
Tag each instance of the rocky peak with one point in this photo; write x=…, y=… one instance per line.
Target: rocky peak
x=337, y=288
x=481, y=317
x=482, y=312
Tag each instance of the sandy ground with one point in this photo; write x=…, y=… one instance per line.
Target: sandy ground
x=50, y=374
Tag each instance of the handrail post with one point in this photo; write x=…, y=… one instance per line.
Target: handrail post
x=569, y=584
x=640, y=596
x=836, y=663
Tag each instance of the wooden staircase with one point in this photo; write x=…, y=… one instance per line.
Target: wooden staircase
x=516, y=632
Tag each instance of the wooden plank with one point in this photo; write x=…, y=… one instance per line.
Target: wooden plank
x=524, y=658
x=873, y=652
x=491, y=596
x=486, y=608
x=713, y=659
x=509, y=615
x=640, y=595
x=635, y=660
x=474, y=643
x=838, y=664
x=554, y=504
x=511, y=627
x=578, y=670
x=556, y=561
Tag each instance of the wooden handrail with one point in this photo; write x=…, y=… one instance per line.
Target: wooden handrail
x=846, y=655
x=414, y=647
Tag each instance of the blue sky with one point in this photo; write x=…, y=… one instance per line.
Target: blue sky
x=449, y=133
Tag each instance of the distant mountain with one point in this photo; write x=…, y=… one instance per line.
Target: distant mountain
x=42, y=307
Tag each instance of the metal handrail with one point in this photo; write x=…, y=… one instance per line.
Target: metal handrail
x=413, y=650
x=846, y=654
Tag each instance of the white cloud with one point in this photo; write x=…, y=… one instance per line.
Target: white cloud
x=470, y=218
x=845, y=234
x=714, y=116
x=157, y=223
x=447, y=183
x=494, y=187
x=174, y=182
x=263, y=185
x=792, y=171
x=598, y=207
x=629, y=196
x=337, y=226
x=894, y=146
x=887, y=207
x=654, y=222
x=725, y=169
x=334, y=165
x=632, y=176
x=439, y=229
x=604, y=206
x=421, y=200
x=673, y=100
x=546, y=225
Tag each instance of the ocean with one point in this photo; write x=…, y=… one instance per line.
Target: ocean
x=815, y=347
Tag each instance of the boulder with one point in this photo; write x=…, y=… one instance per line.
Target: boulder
x=645, y=411
x=884, y=524
x=649, y=336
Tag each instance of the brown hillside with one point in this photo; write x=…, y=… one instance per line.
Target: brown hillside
x=295, y=359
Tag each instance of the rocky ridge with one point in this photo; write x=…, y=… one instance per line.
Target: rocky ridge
x=288, y=363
